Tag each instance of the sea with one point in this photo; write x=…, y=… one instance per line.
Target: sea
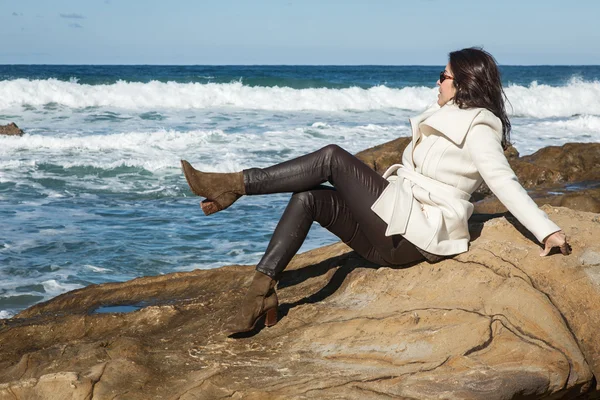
x=93, y=192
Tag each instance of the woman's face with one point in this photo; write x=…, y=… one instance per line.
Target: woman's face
x=447, y=89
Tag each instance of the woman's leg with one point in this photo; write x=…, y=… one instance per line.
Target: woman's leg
x=345, y=210
x=357, y=187
x=331, y=210
x=327, y=207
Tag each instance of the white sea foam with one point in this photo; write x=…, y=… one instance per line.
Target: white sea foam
x=544, y=101
x=5, y=314
x=93, y=268
x=582, y=124
x=162, y=139
x=529, y=135
x=54, y=288
x=162, y=149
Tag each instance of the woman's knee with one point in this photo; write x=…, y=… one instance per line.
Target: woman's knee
x=316, y=203
x=305, y=199
x=335, y=155
x=333, y=150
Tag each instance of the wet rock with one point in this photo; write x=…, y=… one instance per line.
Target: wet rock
x=575, y=161
x=553, y=166
x=581, y=200
x=497, y=322
x=11, y=130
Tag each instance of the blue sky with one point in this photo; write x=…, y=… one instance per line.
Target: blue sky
x=296, y=31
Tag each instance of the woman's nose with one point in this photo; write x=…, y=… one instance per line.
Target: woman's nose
x=438, y=83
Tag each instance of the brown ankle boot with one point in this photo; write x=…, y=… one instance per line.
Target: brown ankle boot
x=261, y=299
x=220, y=189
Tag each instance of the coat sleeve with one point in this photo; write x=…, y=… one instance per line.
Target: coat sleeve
x=484, y=146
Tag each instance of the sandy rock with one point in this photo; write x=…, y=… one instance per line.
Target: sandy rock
x=59, y=386
x=11, y=130
x=498, y=322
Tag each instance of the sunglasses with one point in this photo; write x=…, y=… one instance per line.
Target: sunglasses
x=443, y=76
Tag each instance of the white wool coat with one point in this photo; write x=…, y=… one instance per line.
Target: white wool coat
x=427, y=200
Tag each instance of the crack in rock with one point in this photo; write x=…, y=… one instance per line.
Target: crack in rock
x=96, y=380
x=548, y=298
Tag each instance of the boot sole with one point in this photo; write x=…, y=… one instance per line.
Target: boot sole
x=209, y=207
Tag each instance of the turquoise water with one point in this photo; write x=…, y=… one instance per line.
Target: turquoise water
x=93, y=193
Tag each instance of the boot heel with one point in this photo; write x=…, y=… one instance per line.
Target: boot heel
x=271, y=318
x=209, y=207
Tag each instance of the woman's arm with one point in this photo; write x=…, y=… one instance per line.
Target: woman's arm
x=483, y=145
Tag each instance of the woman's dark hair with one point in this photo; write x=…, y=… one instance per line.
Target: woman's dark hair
x=477, y=83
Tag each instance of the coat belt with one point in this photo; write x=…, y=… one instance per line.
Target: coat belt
x=408, y=179
x=427, y=183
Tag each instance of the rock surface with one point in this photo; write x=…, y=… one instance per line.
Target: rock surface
x=11, y=129
x=498, y=322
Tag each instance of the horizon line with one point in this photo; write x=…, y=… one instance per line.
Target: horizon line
x=284, y=65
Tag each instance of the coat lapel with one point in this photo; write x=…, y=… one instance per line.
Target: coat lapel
x=414, y=125
x=415, y=121
x=452, y=122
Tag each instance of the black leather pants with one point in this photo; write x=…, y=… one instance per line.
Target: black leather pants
x=344, y=209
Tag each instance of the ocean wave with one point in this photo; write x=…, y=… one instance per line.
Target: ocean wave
x=173, y=95
x=545, y=101
x=159, y=140
x=535, y=100
x=162, y=149
x=581, y=123
x=53, y=288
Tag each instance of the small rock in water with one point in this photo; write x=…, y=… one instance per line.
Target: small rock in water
x=11, y=129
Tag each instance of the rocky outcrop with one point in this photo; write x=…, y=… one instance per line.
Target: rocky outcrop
x=498, y=322
x=11, y=130
x=576, y=162
x=556, y=166
x=553, y=167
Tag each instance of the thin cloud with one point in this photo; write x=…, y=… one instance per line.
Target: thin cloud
x=72, y=16
x=75, y=26
x=16, y=14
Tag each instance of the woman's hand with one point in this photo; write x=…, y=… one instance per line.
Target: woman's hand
x=557, y=239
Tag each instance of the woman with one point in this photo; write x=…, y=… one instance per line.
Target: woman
x=417, y=210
